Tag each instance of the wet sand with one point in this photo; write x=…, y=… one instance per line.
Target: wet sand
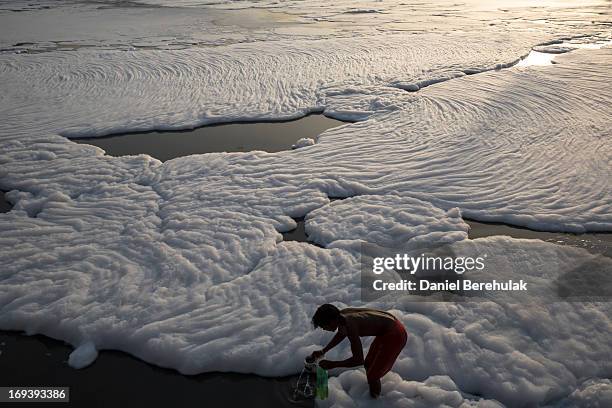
x=597, y=243
x=233, y=137
x=5, y=206
x=116, y=379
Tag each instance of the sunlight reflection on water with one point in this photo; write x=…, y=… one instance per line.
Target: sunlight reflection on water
x=536, y=58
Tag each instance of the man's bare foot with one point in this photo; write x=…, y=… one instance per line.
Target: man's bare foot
x=375, y=388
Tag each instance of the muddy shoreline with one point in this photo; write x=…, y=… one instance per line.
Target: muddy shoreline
x=117, y=379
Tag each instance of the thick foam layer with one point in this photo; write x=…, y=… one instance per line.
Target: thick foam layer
x=181, y=263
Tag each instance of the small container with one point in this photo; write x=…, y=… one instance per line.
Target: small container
x=312, y=381
x=306, y=383
x=310, y=364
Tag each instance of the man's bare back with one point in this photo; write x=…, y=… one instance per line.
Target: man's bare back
x=366, y=322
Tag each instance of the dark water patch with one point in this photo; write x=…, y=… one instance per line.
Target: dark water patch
x=233, y=137
x=117, y=379
x=5, y=206
x=332, y=199
x=596, y=243
x=299, y=233
x=125, y=4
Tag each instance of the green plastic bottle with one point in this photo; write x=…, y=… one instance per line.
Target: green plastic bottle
x=321, y=391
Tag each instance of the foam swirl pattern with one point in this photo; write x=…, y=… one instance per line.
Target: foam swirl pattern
x=93, y=92
x=182, y=263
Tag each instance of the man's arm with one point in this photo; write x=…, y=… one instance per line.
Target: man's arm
x=355, y=360
x=338, y=337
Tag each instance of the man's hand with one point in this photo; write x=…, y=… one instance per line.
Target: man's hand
x=317, y=354
x=327, y=365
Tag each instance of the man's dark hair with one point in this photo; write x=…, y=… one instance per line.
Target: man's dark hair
x=325, y=314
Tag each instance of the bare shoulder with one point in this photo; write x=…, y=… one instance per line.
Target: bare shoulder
x=349, y=311
x=366, y=321
x=365, y=312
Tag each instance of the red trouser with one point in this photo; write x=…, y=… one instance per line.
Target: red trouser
x=384, y=351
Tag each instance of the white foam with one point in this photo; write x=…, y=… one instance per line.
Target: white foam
x=303, y=142
x=384, y=220
x=350, y=390
x=593, y=393
x=83, y=355
x=182, y=263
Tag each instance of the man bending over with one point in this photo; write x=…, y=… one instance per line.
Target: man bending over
x=359, y=322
